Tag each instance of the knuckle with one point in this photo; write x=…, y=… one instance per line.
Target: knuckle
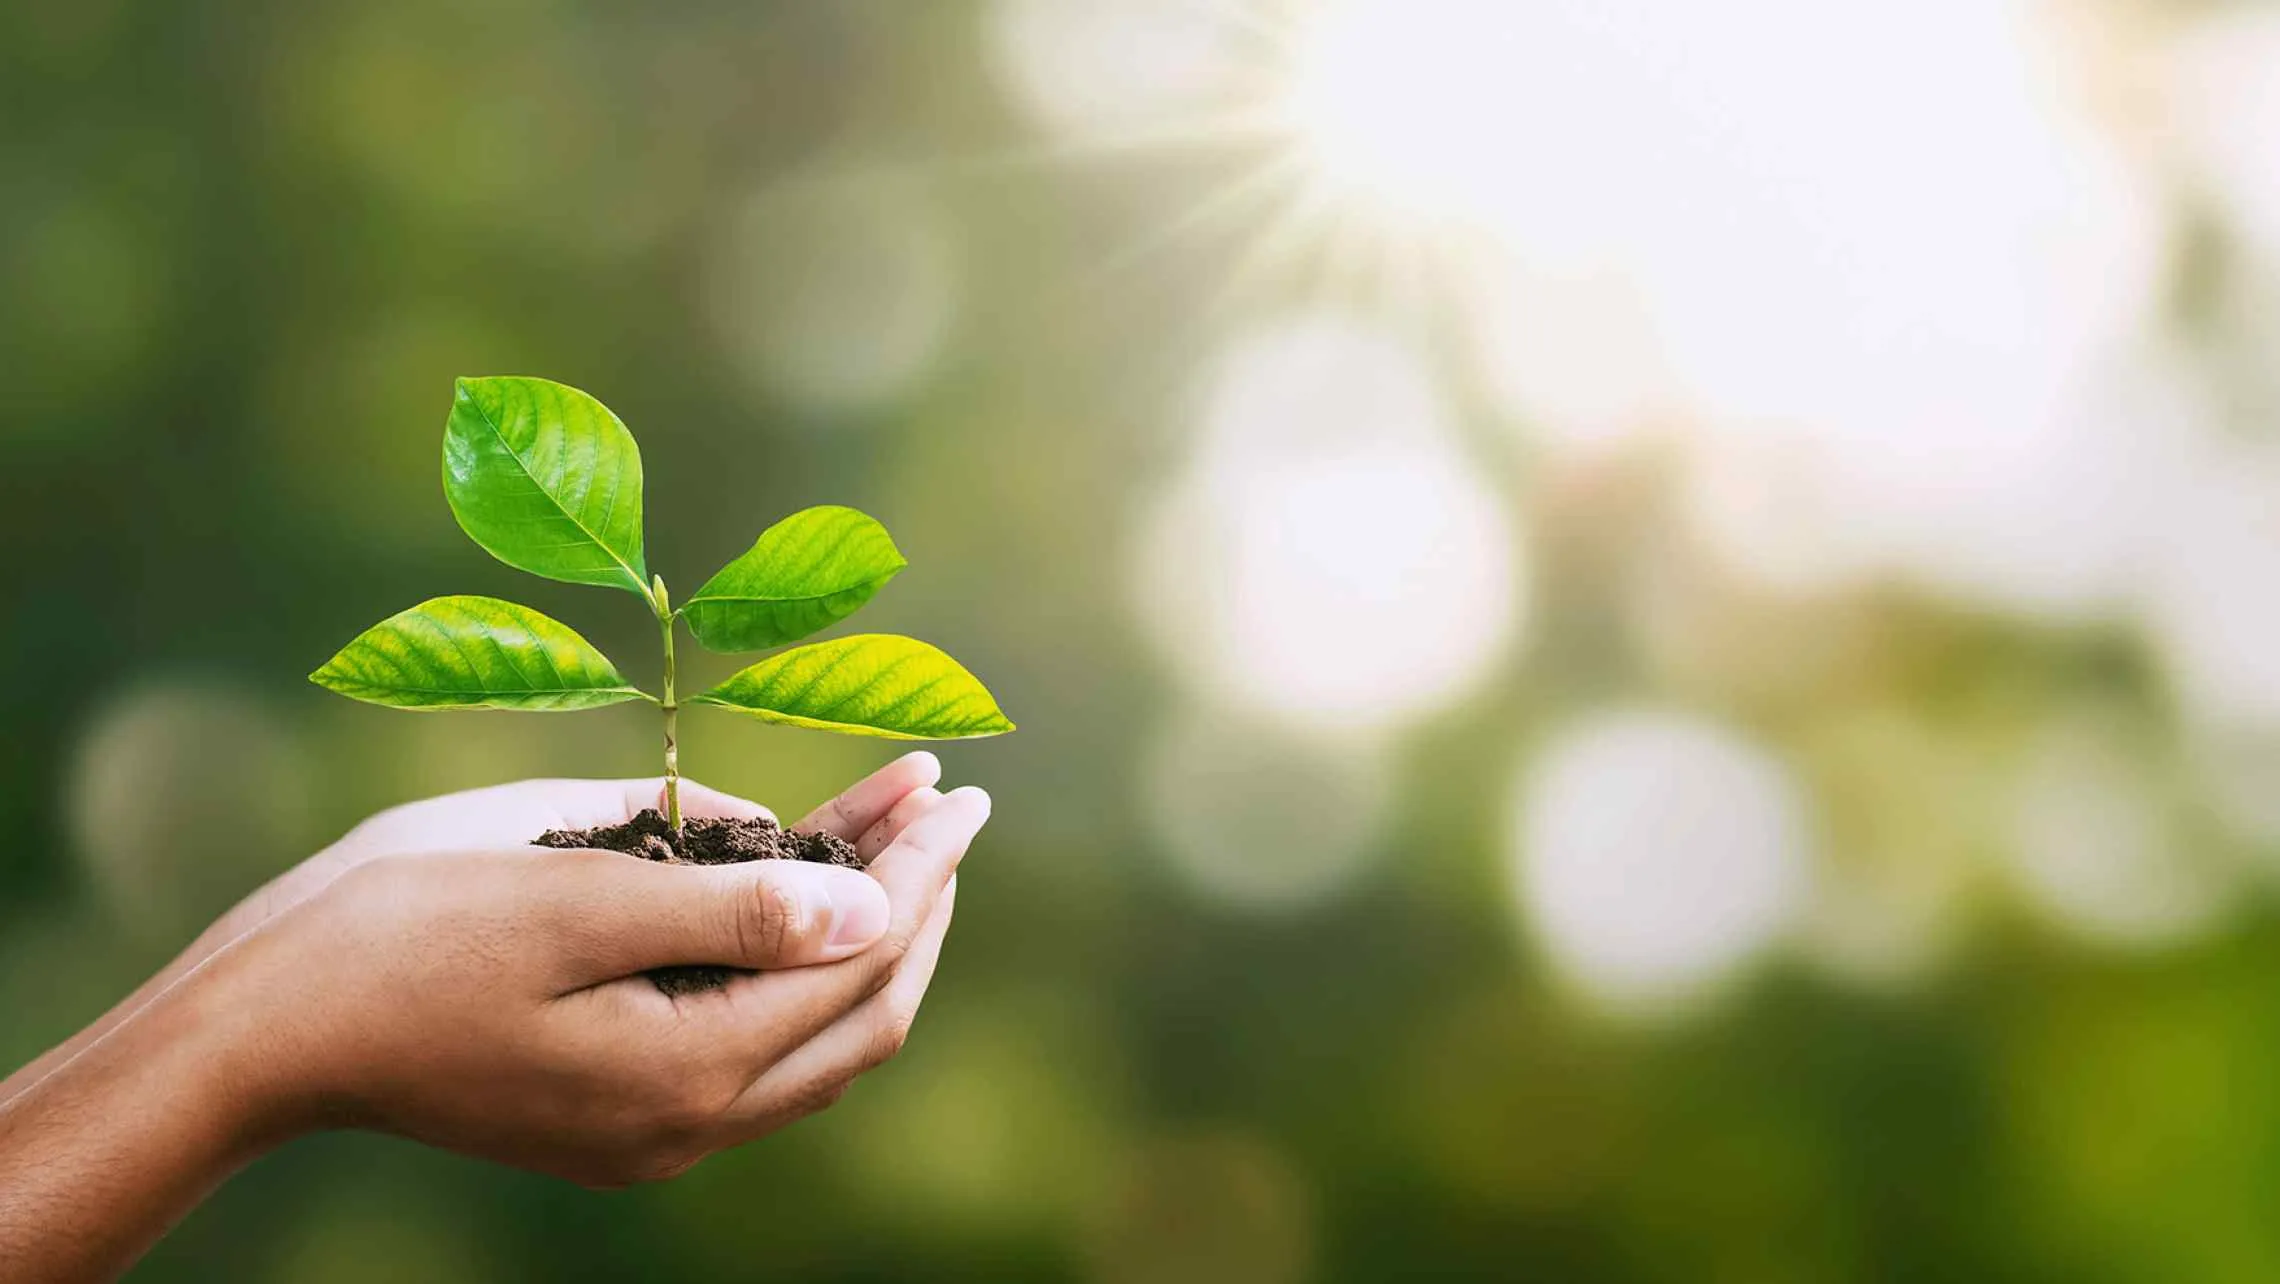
x=888, y=1039
x=887, y=957
x=772, y=920
x=895, y=947
x=818, y=1097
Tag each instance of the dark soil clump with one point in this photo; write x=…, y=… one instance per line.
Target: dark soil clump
x=707, y=841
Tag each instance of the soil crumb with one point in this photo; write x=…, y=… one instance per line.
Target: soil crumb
x=707, y=841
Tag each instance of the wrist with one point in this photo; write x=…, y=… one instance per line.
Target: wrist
x=210, y=1046
x=109, y=1148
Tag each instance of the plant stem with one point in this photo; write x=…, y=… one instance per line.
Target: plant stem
x=671, y=706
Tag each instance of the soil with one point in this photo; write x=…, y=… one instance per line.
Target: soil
x=707, y=841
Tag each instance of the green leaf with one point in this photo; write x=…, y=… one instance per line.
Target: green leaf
x=474, y=653
x=870, y=685
x=808, y=571
x=547, y=480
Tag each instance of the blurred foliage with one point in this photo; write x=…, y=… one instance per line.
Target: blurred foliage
x=245, y=249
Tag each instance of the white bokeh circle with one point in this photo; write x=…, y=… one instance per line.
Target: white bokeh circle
x=2095, y=847
x=1253, y=815
x=1573, y=357
x=1331, y=556
x=1659, y=854
x=2209, y=601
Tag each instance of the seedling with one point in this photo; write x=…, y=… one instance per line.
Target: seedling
x=547, y=480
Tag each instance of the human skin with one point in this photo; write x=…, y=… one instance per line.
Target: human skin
x=433, y=976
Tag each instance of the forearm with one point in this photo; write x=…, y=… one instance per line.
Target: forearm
x=105, y=1152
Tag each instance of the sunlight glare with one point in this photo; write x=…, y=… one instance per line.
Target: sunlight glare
x=1408, y=102
x=2225, y=104
x=1753, y=220
x=1084, y=67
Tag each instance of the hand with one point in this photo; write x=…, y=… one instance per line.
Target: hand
x=488, y=1000
x=500, y=816
x=492, y=1002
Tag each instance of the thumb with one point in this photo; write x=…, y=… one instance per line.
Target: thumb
x=757, y=914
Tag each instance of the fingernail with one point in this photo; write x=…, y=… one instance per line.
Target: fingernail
x=974, y=794
x=858, y=909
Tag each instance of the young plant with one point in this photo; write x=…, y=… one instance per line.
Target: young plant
x=547, y=480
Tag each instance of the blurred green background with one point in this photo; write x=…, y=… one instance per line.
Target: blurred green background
x=1647, y=633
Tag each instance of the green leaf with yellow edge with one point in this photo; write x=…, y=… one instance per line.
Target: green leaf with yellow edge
x=869, y=685
x=547, y=480
x=474, y=653
x=805, y=573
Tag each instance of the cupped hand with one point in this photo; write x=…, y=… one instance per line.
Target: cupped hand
x=869, y=814
x=491, y=1001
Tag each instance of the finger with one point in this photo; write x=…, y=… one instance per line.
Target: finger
x=872, y=797
x=772, y=1014
x=618, y=916
x=914, y=804
x=696, y=800
x=816, y=1072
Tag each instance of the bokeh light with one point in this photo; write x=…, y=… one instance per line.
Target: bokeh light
x=1573, y=359
x=2225, y=111
x=996, y=1126
x=2209, y=608
x=1089, y=67
x=1658, y=855
x=835, y=300
x=1902, y=804
x=1911, y=297
x=2096, y=843
x=2240, y=768
x=1331, y=557
x=1252, y=814
x=184, y=795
